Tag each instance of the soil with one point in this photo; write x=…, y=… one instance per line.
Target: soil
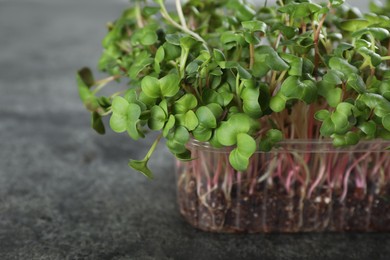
x=271, y=209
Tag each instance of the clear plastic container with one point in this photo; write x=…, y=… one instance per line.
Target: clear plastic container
x=300, y=186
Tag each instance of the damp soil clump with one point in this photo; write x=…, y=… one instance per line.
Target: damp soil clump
x=270, y=208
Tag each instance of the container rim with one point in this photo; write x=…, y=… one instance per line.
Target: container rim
x=306, y=146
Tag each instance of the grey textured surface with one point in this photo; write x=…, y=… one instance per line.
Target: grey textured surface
x=66, y=193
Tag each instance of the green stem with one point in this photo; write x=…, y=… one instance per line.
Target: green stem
x=140, y=22
x=106, y=113
x=373, y=44
x=317, y=55
x=252, y=55
x=386, y=58
x=100, y=84
x=153, y=147
x=238, y=91
x=181, y=15
x=183, y=61
x=165, y=14
x=117, y=94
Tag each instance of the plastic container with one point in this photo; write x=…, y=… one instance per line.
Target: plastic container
x=300, y=186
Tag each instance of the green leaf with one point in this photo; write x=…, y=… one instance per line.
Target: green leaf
x=86, y=76
x=251, y=38
x=202, y=133
x=181, y=135
x=212, y=96
x=216, y=109
x=246, y=145
x=330, y=93
x=226, y=134
x=333, y=77
x=268, y=57
x=251, y=106
x=150, y=10
x=244, y=74
x=232, y=37
x=141, y=166
x=377, y=103
x=157, y=118
x=187, y=42
x=219, y=55
x=148, y=37
x=160, y=54
x=342, y=48
x=357, y=83
x=172, y=52
x=349, y=138
x=243, y=11
x=378, y=33
x=345, y=108
x=340, y=121
x=336, y=3
x=293, y=88
x=242, y=123
x=191, y=121
x=176, y=143
x=130, y=95
x=327, y=127
x=206, y=117
x=185, y=156
x=255, y=26
x=140, y=63
x=300, y=10
x=354, y=25
x=173, y=39
x=97, y=123
x=151, y=87
x=169, y=125
x=169, y=85
x=343, y=66
x=272, y=137
x=278, y=103
x=133, y=114
x=375, y=59
x=296, y=64
x=227, y=98
x=386, y=122
x=369, y=128
x=322, y=115
x=86, y=96
x=120, y=106
x=185, y=103
x=238, y=161
x=288, y=31
x=144, y=100
x=118, y=123
x=384, y=89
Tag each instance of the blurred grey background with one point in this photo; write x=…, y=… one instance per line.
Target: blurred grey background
x=67, y=193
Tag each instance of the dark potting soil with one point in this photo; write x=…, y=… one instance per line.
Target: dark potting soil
x=271, y=209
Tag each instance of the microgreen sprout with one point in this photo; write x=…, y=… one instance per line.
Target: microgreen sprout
x=236, y=75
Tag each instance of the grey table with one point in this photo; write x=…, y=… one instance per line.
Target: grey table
x=66, y=193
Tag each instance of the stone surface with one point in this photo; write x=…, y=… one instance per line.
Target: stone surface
x=67, y=193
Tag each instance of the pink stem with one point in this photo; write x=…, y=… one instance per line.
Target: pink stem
x=346, y=177
x=340, y=168
x=218, y=172
x=328, y=171
x=379, y=164
x=317, y=181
